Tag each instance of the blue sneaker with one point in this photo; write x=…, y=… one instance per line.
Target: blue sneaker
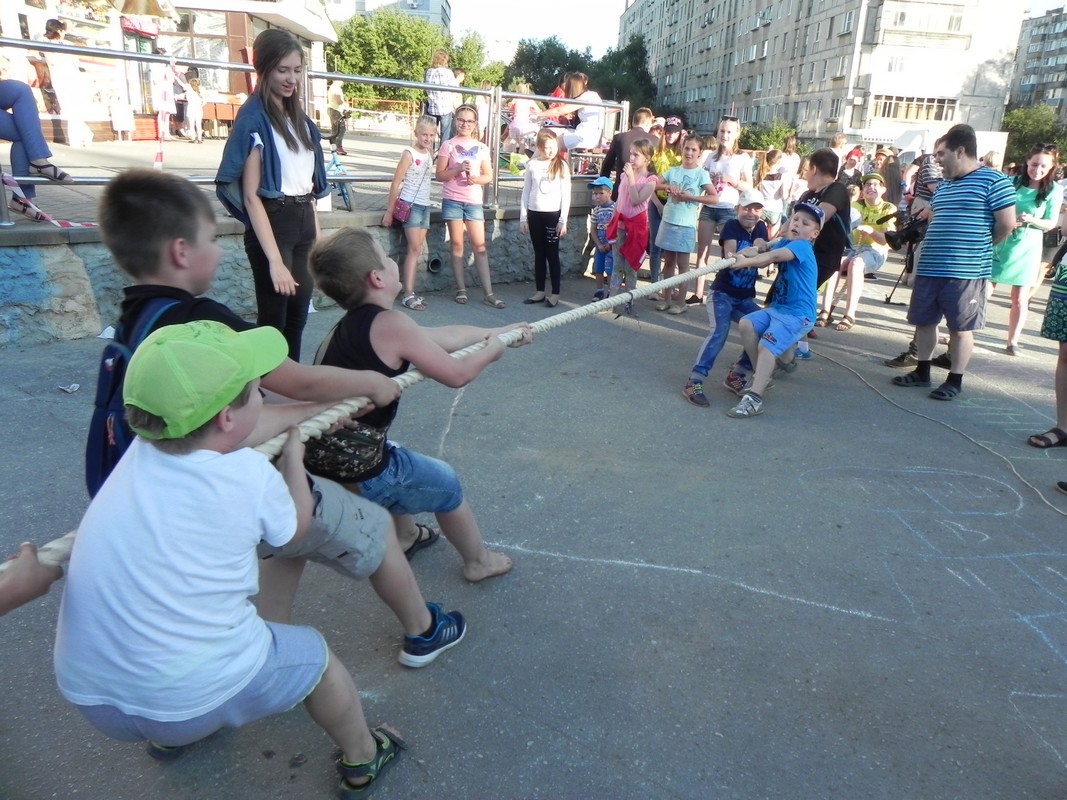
x=448, y=631
x=804, y=355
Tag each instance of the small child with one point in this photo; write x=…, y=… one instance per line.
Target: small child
x=733, y=291
x=603, y=209
x=157, y=638
x=771, y=334
x=194, y=111
x=352, y=269
x=629, y=226
x=543, y=211
x=688, y=187
x=411, y=187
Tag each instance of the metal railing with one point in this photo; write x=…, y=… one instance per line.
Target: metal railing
x=496, y=96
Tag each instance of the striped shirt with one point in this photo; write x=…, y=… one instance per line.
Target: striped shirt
x=959, y=241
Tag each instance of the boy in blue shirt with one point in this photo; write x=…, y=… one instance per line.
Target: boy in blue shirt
x=733, y=292
x=599, y=216
x=773, y=332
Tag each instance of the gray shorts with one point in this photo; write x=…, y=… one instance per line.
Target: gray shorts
x=347, y=533
x=960, y=302
x=295, y=664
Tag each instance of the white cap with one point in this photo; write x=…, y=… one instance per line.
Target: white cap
x=751, y=197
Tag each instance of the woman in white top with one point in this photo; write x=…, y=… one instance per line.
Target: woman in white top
x=731, y=173
x=273, y=155
x=590, y=128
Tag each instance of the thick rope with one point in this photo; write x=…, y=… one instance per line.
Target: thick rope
x=57, y=552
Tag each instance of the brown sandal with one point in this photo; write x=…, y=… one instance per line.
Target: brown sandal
x=845, y=324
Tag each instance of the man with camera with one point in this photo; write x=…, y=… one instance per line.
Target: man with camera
x=972, y=209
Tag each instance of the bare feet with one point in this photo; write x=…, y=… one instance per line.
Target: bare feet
x=489, y=565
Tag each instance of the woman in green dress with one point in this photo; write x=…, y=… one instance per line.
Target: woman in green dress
x=1017, y=260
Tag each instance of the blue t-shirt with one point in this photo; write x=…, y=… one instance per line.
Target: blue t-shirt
x=794, y=290
x=959, y=241
x=601, y=216
x=692, y=182
x=739, y=283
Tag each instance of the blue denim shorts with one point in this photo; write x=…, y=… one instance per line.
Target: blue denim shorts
x=419, y=217
x=717, y=214
x=777, y=331
x=453, y=209
x=412, y=483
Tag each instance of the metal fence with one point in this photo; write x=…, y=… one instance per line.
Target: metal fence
x=496, y=96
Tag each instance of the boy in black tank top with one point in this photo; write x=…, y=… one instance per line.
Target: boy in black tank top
x=352, y=268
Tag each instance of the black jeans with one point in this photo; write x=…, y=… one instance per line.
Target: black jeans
x=340, y=125
x=293, y=225
x=546, y=247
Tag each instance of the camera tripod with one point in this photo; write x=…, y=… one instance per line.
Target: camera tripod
x=909, y=268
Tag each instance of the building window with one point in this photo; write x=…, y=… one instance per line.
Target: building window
x=846, y=26
x=835, y=108
x=955, y=23
x=914, y=108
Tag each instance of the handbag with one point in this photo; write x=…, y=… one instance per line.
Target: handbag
x=401, y=210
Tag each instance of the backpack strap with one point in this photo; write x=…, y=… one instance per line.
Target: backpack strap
x=146, y=321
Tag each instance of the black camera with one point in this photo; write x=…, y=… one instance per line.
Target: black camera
x=911, y=230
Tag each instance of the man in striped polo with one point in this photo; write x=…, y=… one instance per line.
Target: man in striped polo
x=973, y=209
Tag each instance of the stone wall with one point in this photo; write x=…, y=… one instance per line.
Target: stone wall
x=65, y=286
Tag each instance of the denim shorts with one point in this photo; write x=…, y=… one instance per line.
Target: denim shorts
x=295, y=664
x=777, y=331
x=718, y=214
x=419, y=217
x=453, y=209
x=412, y=483
x=871, y=257
x=348, y=533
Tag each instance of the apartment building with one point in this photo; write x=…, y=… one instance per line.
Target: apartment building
x=1041, y=63
x=872, y=69
x=436, y=12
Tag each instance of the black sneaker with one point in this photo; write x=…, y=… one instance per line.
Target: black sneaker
x=903, y=361
x=448, y=631
x=694, y=300
x=944, y=361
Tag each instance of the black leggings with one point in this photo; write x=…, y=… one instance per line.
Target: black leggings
x=546, y=247
x=293, y=225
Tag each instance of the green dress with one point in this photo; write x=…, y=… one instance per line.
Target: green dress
x=1017, y=260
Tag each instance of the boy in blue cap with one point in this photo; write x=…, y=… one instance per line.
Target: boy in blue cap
x=600, y=215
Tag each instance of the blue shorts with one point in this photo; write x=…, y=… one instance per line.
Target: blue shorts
x=603, y=263
x=961, y=302
x=419, y=217
x=453, y=209
x=295, y=664
x=412, y=483
x=777, y=331
x=718, y=214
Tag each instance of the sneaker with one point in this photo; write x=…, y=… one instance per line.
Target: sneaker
x=735, y=382
x=1062, y=486
x=903, y=361
x=448, y=631
x=162, y=752
x=804, y=355
x=944, y=361
x=694, y=300
x=870, y=276
x=662, y=305
x=785, y=367
x=599, y=294
x=675, y=310
x=812, y=335
x=694, y=393
x=751, y=405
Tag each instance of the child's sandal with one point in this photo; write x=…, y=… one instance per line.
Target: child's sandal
x=493, y=300
x=413, y=302
x=823, y=319
x=845, y=324
x=461, y=297
x=388, y=744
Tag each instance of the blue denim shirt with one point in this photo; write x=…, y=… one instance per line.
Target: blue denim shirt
x=252, y=118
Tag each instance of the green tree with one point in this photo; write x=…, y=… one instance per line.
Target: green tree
x=623, y=75
x=469, y=55
x=1029, y=126
x=542, y=62
x=387, y=44
x=767, y=135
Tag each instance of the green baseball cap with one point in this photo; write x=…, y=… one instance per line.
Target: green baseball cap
x=186, y=374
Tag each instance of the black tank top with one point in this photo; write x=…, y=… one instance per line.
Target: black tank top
x=351, y=349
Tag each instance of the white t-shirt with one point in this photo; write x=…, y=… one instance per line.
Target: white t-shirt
x=735, y=167
x=542, y=193
x=298, y=169
x=155, y=618
x=416, y=186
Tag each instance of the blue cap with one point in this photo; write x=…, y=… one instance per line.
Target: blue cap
x=602, y=181
x=812, y=209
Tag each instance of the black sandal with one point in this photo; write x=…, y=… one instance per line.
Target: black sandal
x=1043, y=441
x=911, y=379
x=50, y=171
x=425, y=536
x=388, y=744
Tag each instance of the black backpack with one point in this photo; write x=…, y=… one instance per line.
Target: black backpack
x=109, y=434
